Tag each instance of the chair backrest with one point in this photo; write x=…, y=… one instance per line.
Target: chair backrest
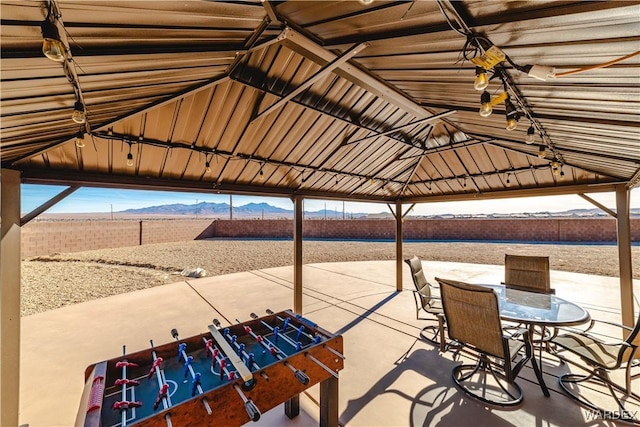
x=527, y=272
x=417, y=274
x=473, y=316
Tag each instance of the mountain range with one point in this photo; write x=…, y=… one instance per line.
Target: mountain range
x=267, y=211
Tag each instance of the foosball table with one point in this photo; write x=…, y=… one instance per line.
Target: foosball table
x=226, y=377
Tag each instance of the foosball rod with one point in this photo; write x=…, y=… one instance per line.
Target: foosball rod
x=166, y=401
x=223, y=369
x=216, y=322
x=252, y=410
x=322, y=365
x=340, y=355
x=276, y=333
x=269, y=311
x=300, y=376
x=227, y=350
x=124, y=387
x=174, y=333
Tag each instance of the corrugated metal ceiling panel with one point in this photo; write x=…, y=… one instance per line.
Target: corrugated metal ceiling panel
x=204, y=65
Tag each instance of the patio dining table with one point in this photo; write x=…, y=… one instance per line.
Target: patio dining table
x=538, y=309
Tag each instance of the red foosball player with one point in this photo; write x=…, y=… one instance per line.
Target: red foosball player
x=156, y=363
x=161, y=394
x=127, y=364
x=126, y=404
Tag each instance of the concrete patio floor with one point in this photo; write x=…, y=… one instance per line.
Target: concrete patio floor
x=355, y=299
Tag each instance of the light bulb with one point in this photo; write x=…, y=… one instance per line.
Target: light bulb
x=485, y=104
x=129, y=159
x=52, y=47
x=555, y=168
x=78, y=115
x=261, y=175
x=80, y=139
x=207, y=167
x=542, y=151
x=531, y=135
x=481, y=81
x=512, y=115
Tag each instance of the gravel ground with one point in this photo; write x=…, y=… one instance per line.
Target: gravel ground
x=50, y=282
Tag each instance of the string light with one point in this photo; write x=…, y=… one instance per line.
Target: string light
x=481, y=81
x=508, y=181
x=531, y=135
x=80, y=139
x=542, y=151
x=78, y=115
x=511, y=114
x=52, y=46
x=261, y=174
x=485, y=104
x=207, y=167
x=555, y=167
x=129, y=156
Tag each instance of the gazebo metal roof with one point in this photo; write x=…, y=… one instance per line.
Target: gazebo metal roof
x=334, y=99
x=361, y=100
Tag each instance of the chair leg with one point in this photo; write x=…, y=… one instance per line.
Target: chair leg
x=507, y=394
x=600, y=377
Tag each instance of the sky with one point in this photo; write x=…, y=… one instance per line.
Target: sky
x=87, y=200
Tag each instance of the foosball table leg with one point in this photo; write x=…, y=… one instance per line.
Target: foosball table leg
x=292, y=406
x=329, y=402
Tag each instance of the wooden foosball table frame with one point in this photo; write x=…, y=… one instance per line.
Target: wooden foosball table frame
x=319, y=360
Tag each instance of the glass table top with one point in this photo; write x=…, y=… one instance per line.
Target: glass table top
x=531, y=307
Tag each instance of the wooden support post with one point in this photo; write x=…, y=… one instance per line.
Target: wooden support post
x=329, y=402
x=624, y=255
x=9, y=297
x=297, y=254
x=292, y=407
x=398, y=246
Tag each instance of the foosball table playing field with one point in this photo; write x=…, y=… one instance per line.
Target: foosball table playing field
x=226, y=377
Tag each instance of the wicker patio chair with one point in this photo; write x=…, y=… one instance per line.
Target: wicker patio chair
x=602, y=358
x=428, y=303
x=473, y=320
x=529, y=273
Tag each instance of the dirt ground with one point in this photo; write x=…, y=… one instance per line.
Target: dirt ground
x=50, y=282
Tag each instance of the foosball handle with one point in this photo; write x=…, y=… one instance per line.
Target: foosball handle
x=253, y=316
x=269, y=311
x=252, y=410
x=174, y=333
x=302, y=377
x=216, y=322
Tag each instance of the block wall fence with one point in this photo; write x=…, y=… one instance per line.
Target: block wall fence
x=44, y=238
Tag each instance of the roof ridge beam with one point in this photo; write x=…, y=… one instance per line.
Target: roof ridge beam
x=328, y=68
x=306, y=47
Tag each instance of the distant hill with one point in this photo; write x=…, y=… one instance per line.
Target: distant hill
x=221, y=210
x=267, y=211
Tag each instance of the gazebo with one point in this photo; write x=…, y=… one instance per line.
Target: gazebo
x=398, y=102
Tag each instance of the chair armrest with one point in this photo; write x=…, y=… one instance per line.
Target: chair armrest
x=612, y=324
x=592, y=324
x=524, y=332
x=420, y=294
